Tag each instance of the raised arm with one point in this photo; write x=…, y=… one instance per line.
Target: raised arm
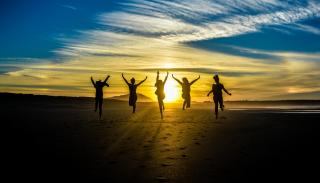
x=142, y=81
x=225, y=90
x=125, y=79
x=195, y=80
x=165, y=79
x=157, y=78
x=177, y=80
x=105, y=81
x=92, y=81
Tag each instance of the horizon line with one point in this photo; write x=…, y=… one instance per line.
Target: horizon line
x=111, y=98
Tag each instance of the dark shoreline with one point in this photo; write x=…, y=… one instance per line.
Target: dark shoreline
x=61, y=139
x=4, y=95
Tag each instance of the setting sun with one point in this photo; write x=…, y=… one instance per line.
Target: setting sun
x=172, y=91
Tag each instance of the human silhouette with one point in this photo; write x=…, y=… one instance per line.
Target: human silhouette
x=217, y=94
x=99, y=93
x=186, y=90
x=160, y=92
x=133, y=91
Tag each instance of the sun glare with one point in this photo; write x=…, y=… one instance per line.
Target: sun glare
x=171, y=90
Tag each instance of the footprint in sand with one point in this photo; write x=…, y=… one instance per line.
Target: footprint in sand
x=197, y=143
x=103, y=147
x=166, y=164
x=112, y=162
x=142, y=166
x=162, y=179
x=66, y=125
x=165, y=150
x=182, y=148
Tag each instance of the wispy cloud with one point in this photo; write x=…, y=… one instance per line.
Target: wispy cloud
x=68, y=7
x=163, y=23
x=202, y=71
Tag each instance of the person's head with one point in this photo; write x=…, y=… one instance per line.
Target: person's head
x=216, y=78
x=185, y=80
x=99, y=81
x=132, y=80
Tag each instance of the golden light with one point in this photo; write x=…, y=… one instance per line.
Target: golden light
x=172, y=91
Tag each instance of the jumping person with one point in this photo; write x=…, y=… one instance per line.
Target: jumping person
x=160, y=92
x=185, y=90
x=217, y=94
x=133, y=91
x=99, y=93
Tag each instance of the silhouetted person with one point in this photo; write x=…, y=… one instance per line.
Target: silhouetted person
x=217, y=94
x=160, y=92
x=186, y=90
x=99, y=93
x=133, y=91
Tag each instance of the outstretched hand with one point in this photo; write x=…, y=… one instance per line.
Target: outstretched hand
x=158, y=72
x=230, y=94
x=167, y=73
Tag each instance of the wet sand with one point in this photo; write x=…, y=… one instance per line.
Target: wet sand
x=63, y=140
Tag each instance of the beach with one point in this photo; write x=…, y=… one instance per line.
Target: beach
x=62, y=139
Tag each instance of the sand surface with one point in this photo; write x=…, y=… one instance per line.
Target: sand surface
x=59, y=139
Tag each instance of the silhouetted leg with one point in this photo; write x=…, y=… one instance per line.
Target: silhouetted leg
x=100, y=108
x=216, y=107
x=134, y=108
x=162, y=104
x=221, y=103
x=96, y=105
x=160, y=107
x=184, y=104
x=188, y=102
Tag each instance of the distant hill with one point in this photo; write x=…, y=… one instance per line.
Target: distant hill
x=141, y=98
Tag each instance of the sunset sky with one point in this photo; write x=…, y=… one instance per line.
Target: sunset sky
x=262, y=49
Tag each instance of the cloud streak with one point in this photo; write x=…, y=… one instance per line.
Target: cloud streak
x=164, y=23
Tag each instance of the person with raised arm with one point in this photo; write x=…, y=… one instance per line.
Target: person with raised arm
x=99, y=93
x=186, y=89
x=217, y=94
x=160, y=92
x=133, y=91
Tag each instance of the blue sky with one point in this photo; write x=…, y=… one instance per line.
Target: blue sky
x=51, y=47
x=32, y=28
